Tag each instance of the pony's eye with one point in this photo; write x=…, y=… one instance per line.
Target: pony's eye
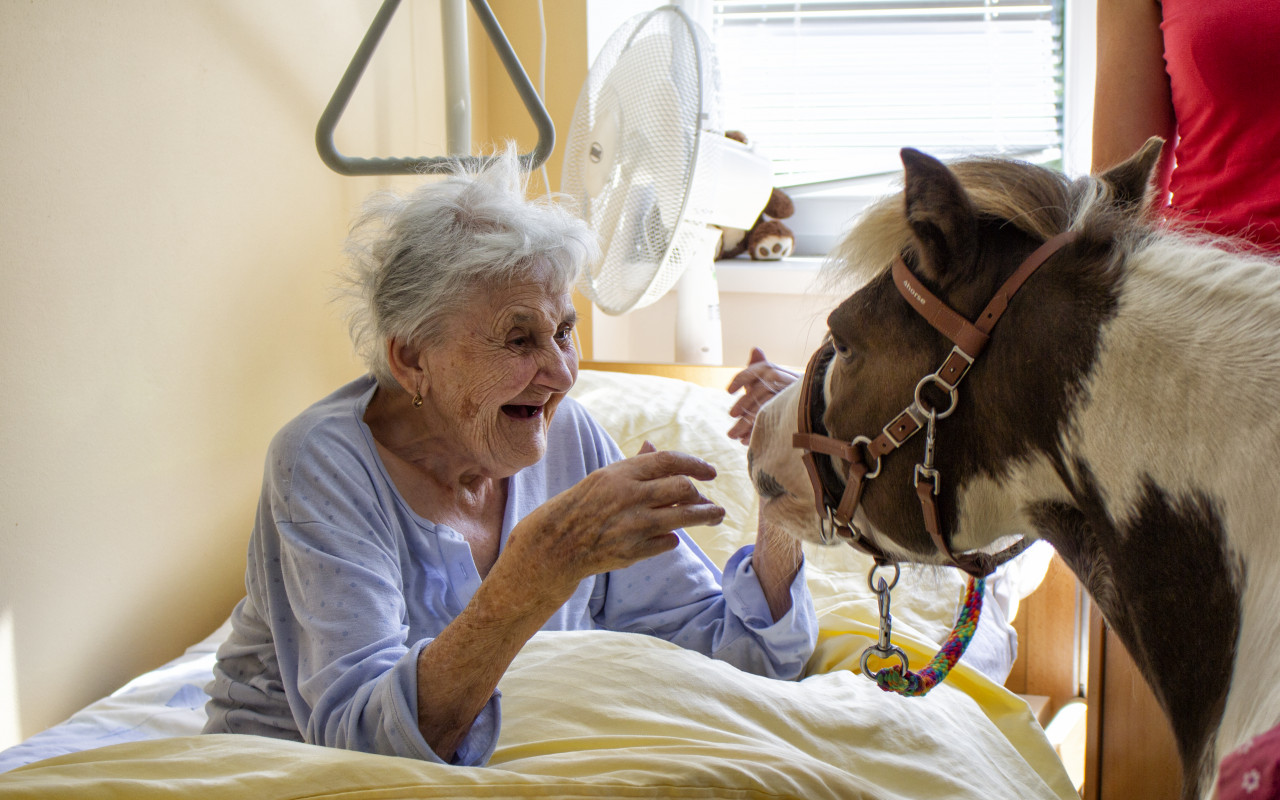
x=842, y=349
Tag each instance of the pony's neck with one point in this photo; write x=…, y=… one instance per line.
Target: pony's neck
x=1197, y=299
x=1170, y=464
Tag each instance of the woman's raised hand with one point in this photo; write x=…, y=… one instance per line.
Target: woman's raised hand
x=618, y=515
x=761, y=380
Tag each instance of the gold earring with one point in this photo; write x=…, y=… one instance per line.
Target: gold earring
x=417, y=400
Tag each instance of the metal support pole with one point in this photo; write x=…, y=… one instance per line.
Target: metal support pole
x=347, y=165
x=457, y=77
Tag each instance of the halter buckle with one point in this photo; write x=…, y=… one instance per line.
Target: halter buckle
x=953, y=369
x=905, y=425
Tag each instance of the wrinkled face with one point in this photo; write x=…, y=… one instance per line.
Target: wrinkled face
x=496, y=376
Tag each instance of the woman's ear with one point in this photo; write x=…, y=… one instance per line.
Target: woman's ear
x=408, y=366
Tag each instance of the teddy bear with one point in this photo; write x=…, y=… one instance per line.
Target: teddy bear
x=769, y=239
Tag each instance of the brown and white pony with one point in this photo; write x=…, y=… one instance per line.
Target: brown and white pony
x=1126, y=408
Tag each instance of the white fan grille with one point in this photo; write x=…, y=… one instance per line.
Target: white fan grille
x=634, y=154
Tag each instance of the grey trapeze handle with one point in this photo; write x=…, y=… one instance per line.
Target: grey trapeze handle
x=348, y=165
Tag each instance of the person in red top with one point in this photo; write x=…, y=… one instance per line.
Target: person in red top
x=1205, y=76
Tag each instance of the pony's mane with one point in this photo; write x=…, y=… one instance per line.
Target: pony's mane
x=1039, y=201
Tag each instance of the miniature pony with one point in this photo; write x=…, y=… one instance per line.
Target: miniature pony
x=1123, y=407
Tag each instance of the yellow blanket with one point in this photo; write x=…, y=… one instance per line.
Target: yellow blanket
x=594, y=714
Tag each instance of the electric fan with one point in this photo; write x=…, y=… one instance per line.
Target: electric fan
x=651, y=171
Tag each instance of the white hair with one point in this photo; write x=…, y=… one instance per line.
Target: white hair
x=417, y=258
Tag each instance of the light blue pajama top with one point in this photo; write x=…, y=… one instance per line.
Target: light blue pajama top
x=346, y=584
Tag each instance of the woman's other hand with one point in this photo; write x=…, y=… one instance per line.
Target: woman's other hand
x=761, y=380
x=618, y=515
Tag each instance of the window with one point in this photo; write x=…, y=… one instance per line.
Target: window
x=832, y=89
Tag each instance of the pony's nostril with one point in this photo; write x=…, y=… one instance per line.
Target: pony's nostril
x=767, y=486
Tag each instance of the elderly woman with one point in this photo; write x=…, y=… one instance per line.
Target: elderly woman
x=420, y=524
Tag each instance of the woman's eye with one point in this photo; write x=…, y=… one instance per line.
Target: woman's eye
x=564, y=334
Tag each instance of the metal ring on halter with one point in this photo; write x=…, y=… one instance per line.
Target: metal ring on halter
x=827, y=532
x=827, y=529
x=885, y=654
x=864, y=441
x=930, y=474
x=897, y=573
x=955, y=396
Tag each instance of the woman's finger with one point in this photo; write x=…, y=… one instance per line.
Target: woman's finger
x=654, y=546
x=663, y=463
x=672, y=490
x=743, y=377
x=743, y=406
x=668, y=518
x=741, y=431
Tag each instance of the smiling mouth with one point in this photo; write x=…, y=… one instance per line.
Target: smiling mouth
x=522, y=412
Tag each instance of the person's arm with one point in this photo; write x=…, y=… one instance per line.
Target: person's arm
x=459, y=669
x=1132, y=99
x=776, y=559
x=616, y=516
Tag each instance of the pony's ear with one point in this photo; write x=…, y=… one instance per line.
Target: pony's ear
x=1130, y=181
x=940, y=215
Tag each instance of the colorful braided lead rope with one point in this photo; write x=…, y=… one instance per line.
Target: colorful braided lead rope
x=918, y=684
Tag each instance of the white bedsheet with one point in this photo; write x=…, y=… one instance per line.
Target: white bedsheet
x=167, y=701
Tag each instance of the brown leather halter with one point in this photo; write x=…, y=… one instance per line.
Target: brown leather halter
x=863, y=454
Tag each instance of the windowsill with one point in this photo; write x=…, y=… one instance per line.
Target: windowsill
x=792, y=276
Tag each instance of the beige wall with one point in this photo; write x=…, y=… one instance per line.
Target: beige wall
x=168, y=240
x=566, y=69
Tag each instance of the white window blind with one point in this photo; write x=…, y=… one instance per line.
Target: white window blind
x=832, y=89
